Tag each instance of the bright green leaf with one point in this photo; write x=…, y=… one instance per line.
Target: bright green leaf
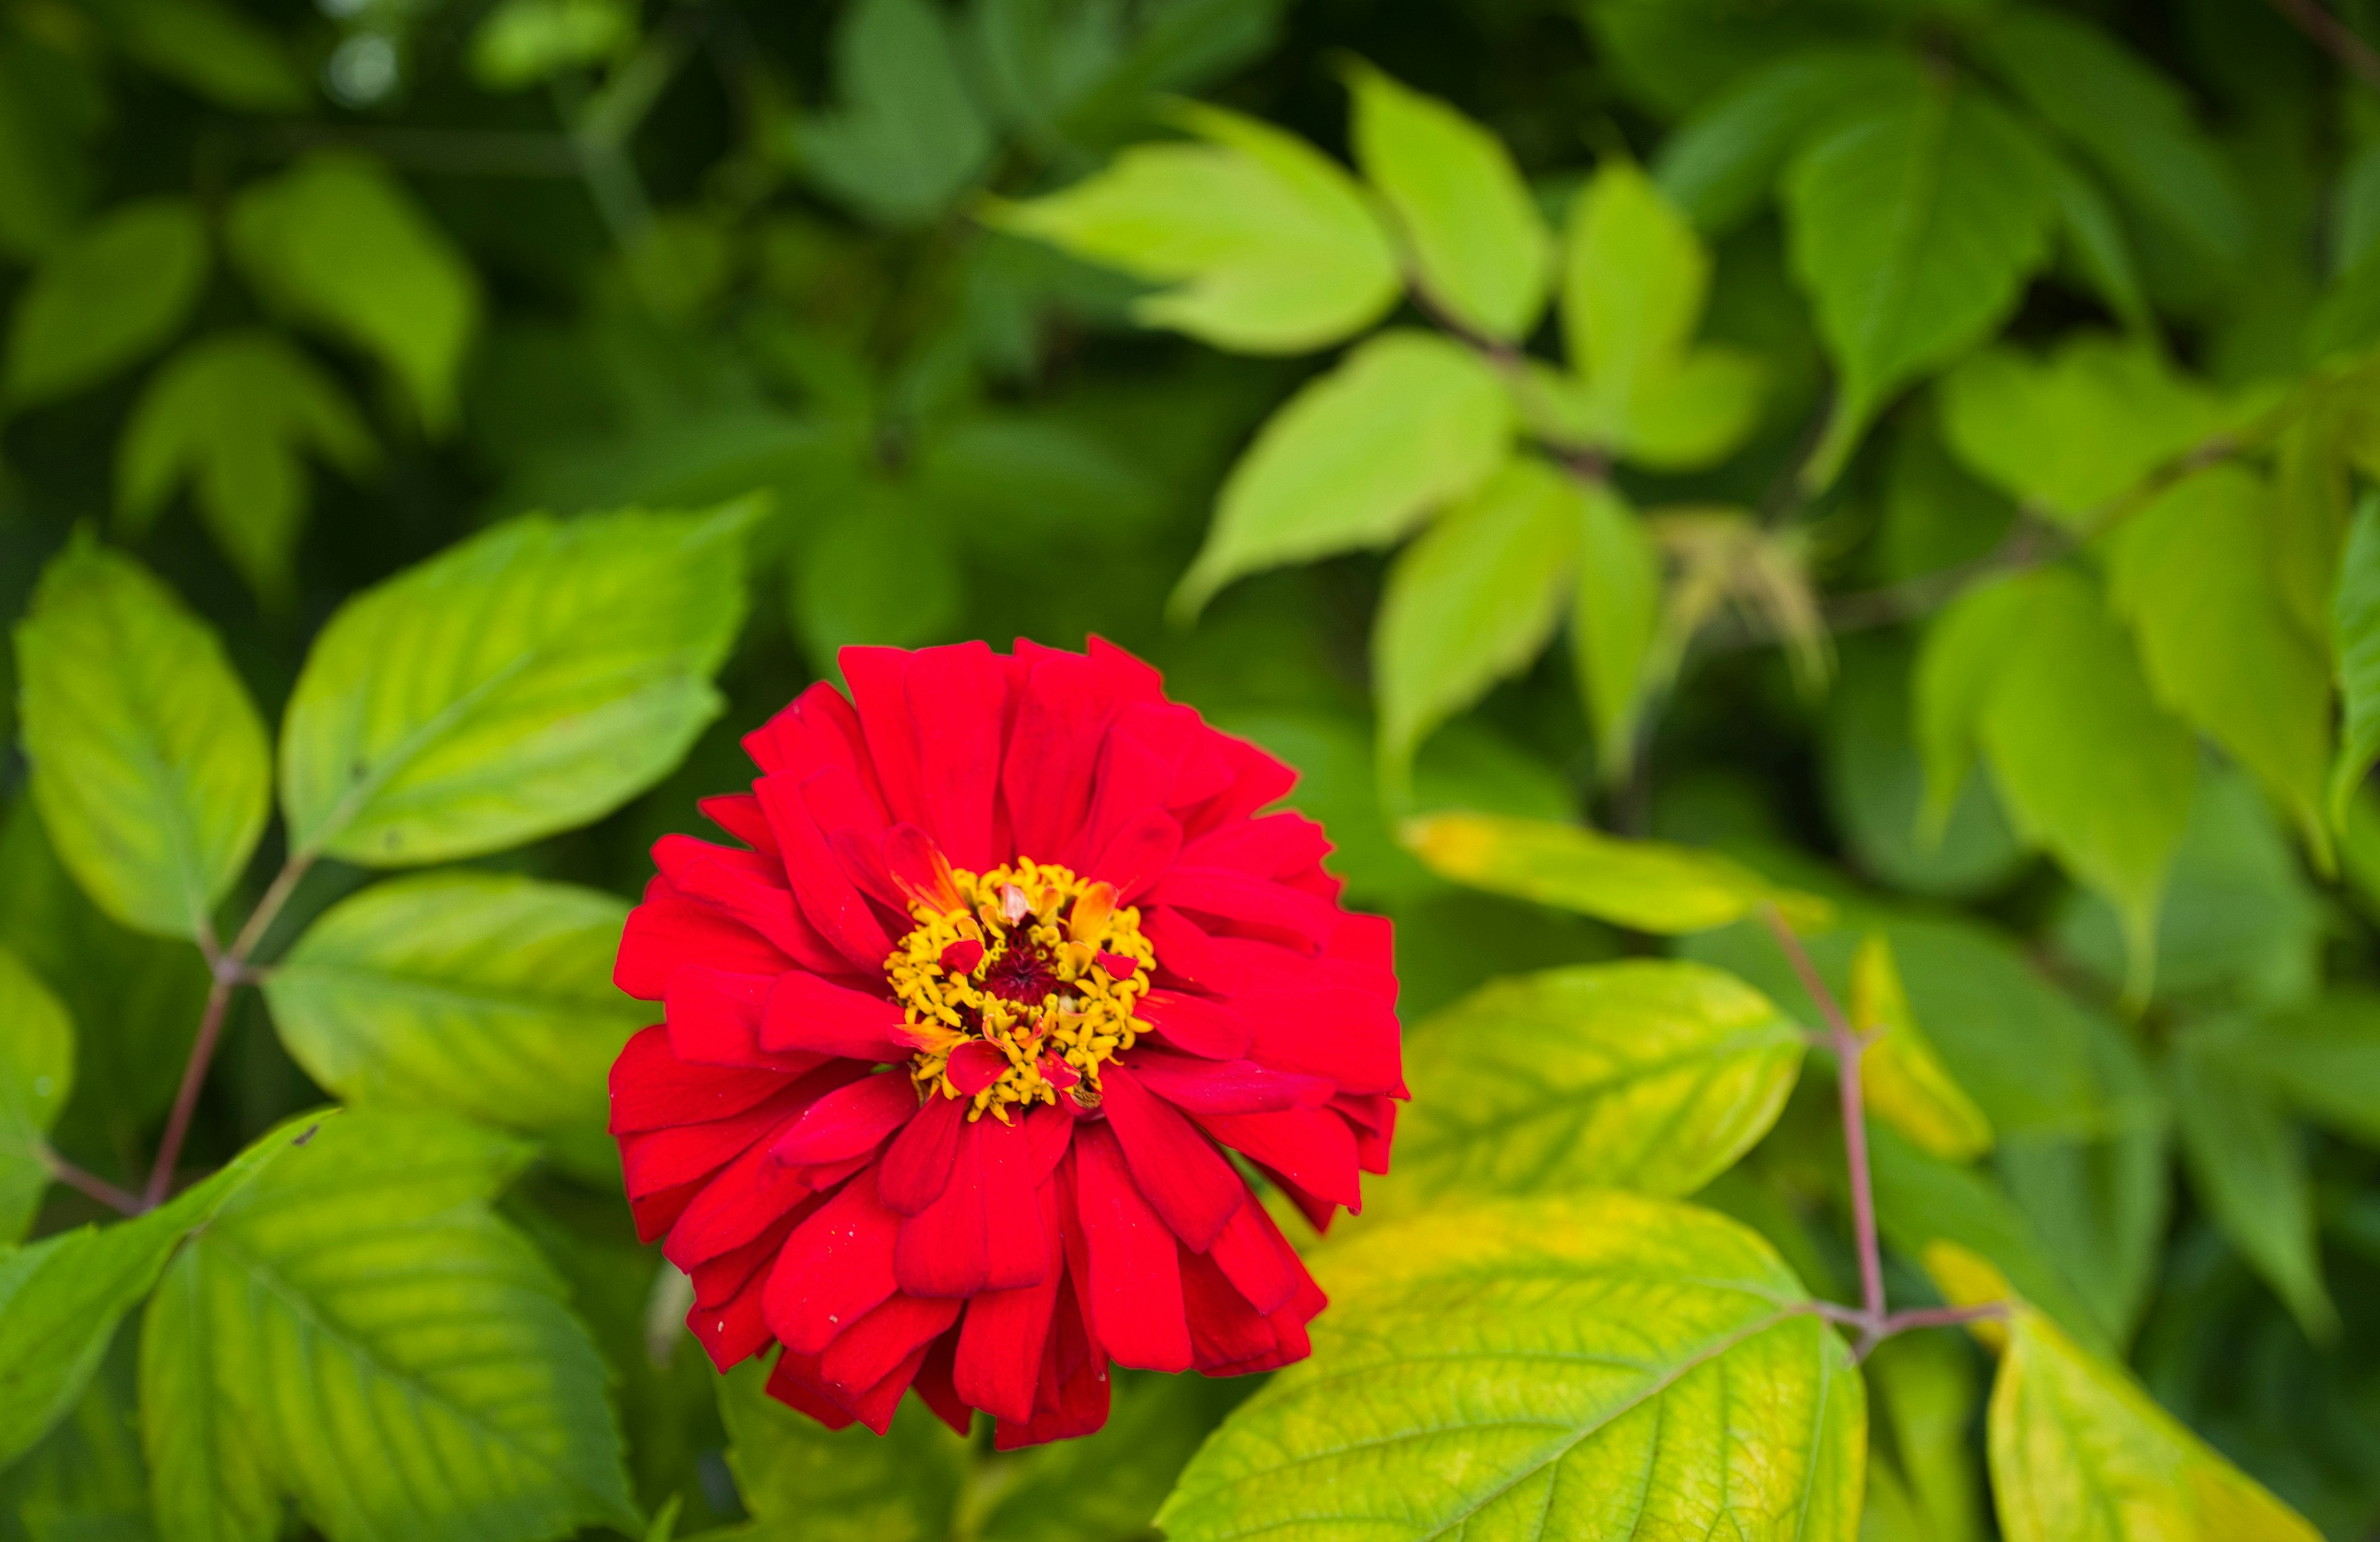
x=529, y=679
x=485, y=995
x=1478, y=245
x=2080, y=1453
x=2085, y=761
x=341, y=244
x=1406, y=422
x=1634, y=278
x=1694, y=412
x=106, y=298
x=909, y=137
x=211, y=47
x=1967, y=647
x=1653, y=1075
x=2248, y=1165
x=61, y=1297
x=1559, y=1368
x=798, y=1478
x=1613, y=624
x=2127, y=117
x=1273, y=244
x=235, y=416
x=1472, y=602
x=361, y=1332
x=2355, y=639
x=521, y=43
x=2073, y=432
x=149, y=765
x=36, y=1068
x=1643, y=885
x=1914, y=225
x=2191, y=572
x=1720, y=164
x=1906, y=1083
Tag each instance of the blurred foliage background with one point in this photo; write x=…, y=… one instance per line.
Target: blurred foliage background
x=300, y=296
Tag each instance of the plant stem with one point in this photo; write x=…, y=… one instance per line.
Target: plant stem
x=90, y=1183
x=2332, y=36
x=230, y=970
x=1848, y=1044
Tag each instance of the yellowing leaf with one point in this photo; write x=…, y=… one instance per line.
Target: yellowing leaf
x=1613, y=624
x=149, y=761
x=1643, y=885
x=2074, y=430
x=105, y=297
x=1406, y=422
x=2193, y=573
x=1479, y=247
x=340, y=243
x=1572, y=1368
x=1906, y=1084
x=1652, y=1075
x=1273, y=243
x=1472, y=601
x=235, y=416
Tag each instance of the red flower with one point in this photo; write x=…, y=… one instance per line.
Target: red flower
x=952, y=1050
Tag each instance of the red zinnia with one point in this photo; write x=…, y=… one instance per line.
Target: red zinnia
x=951, y=1049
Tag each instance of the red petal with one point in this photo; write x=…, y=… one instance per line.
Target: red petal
x=1373, y=1117
x=919, y=869
x=721, y=1278
x=1365, y=939
x=739, y=815
x=1224, y=1329
x=794, y=1382
x=935, y=1389
x=1138, y=854
x=879, y=689
x=975, y=1065
x=1311, y=1146
x=1253, y=903
x=818, y=729
x=1118, y=966
x=668, y=929
x=871, y=1348
x=655, y=1213
x=714, y=1019
x=829, y=899
x=1052, y=749
x=1137, y=767
x=1071, y=1397
x=1185, y=1179
x=962, y=956
x=1186, y=955
x=1195, y=1025
x=1274, y=846
x=1256, y=1259
x=751, y=889
x=1225, y=1087
x=850, y=1121
x=1346, y=1034
x=749, y=1195
x=958, y=699
x=658, y=1159
x=985, y=1231
x=1135, y=1284
x=836, y=1266
x=733, y=1331
x=918, y=1166
x=808, y=1015
x=1001, y=1342
x=652, y=1090
x=1057, y=1073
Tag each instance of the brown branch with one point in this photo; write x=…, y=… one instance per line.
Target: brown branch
x=2334, y=38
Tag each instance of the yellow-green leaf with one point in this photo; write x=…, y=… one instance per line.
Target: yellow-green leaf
x=150, y=764
x=1574, y=1367
x=1643, y=885
x=37, y=1066
x=1272, y=242
x=1906, y=1084
x=1653, y=1075
x=1478, y=247
x=1614, y=623
x=1967, y=647
x=1406, y=422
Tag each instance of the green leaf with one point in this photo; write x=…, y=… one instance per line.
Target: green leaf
x=61, y=1297
x=1406, y=422
x=2086, y=763
x=2080, y=1453
x=798, y=1478
x=2100, y=248
x=1472, y=602
x=211, y=47
x=1558, y=1368
x=1906, y=1083
x=49, y=107
x=359, y=1330
x=2248, y=1165
x=1722, y=162
x=106, y=298
x=36, y=1068
x=1272, y=242
x=1914, y=225
x=342, y=245
x=486, y=995
x=1617, y=616
x=1105, y=1486
x=909, y=138
x=529, y=679
x=1652, y=1075
x=2193, y=572
x=2075, y=432
x=1967, y=648
x=521, y=43
x=2324, y=1056
x=2128, y=118
x=149, y=761
x=1478, y=248
x=880, y=571
x=85, y=1481
x=1643, y=885
x=1922, y=1390
x=1634, y=278
x=234, y=414
x=2355, y=641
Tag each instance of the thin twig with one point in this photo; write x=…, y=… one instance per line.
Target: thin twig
x=90, y=1183
x=2334, y=38
x=1943, y=1316
x=1848, y=1044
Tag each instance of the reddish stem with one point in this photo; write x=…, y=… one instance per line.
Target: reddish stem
x=90, y=1183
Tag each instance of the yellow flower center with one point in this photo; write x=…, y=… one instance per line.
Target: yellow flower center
x=1037, y=965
